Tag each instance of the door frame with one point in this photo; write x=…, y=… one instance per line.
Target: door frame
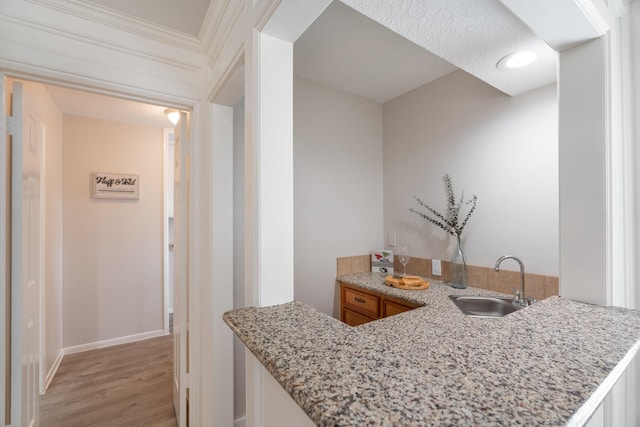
x=3, y=243
x=182, y=302
x=91, y=85
x=42, y=135
x=166, y=210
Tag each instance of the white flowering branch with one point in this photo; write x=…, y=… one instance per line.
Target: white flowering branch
x=448, y=222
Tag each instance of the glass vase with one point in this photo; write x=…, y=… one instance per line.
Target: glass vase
x=458, y=267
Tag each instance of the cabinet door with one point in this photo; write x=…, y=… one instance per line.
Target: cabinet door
x=389, y=308
x=354, y=319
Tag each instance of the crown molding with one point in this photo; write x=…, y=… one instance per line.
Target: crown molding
x=194, y=66
x=212, y=22
x=220, y=26
x=223, y=79
x=262, y=12
x=123, y=22
x=597, y=16
x=40, y=73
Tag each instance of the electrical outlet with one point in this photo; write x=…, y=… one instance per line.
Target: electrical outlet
x=436, y=267
x=391, y=239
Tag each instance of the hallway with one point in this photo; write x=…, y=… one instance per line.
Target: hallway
x=125, y=385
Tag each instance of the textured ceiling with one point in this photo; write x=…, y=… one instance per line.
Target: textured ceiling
x=185, y=16
x=380, y=50
x=471, y=34
x=346, y=50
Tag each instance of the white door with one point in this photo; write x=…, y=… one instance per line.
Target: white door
x=25, y=262
x=181, y=269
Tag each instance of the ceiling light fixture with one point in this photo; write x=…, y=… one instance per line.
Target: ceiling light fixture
x=173, y=115
x=517, y=60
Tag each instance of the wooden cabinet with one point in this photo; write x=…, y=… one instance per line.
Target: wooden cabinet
x=389, y=308
x=358, y=305
x=363, y=302
x=354, y=319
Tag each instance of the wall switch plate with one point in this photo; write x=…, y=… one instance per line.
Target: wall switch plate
x=436, y=267
x=391, y=238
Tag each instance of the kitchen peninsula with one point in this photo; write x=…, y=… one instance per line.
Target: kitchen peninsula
x=548, y=364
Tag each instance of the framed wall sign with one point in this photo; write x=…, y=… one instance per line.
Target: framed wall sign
x=115, y=186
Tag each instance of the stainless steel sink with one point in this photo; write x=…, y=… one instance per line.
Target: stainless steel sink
x=485, y=306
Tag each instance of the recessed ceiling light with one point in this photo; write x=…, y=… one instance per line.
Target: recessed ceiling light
x=517, y=60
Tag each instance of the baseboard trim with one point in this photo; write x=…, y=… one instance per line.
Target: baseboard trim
x=113, y=341
x=52, y=372
x=240, y=422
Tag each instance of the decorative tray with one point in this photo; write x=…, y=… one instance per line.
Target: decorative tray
x=406, y=282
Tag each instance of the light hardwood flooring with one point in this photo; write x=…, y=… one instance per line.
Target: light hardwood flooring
x=126, y=385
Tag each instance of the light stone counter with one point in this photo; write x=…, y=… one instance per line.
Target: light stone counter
x=436, y=366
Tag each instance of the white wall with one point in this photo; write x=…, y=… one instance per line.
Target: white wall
x=112, y=248
x=503, y=149
x=338, y=196
x=584, y=187
x=39, y=102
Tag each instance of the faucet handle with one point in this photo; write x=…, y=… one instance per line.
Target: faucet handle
x=516, y=296
x=531, y=300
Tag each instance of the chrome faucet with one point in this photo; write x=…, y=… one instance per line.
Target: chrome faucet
x=519, y=298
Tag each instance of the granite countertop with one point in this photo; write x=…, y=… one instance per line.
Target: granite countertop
x=436, y=366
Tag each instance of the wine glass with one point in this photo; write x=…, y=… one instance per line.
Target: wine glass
x=404, y=256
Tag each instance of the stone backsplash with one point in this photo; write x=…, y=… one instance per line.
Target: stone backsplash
x=536, y=285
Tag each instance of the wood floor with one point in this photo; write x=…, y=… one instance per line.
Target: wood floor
x=126, y=385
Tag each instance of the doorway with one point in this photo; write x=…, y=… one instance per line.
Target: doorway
x=63, y=234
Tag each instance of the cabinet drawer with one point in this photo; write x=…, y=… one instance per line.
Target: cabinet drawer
x=389, y=308
x=364, y=303
x=354, y=319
